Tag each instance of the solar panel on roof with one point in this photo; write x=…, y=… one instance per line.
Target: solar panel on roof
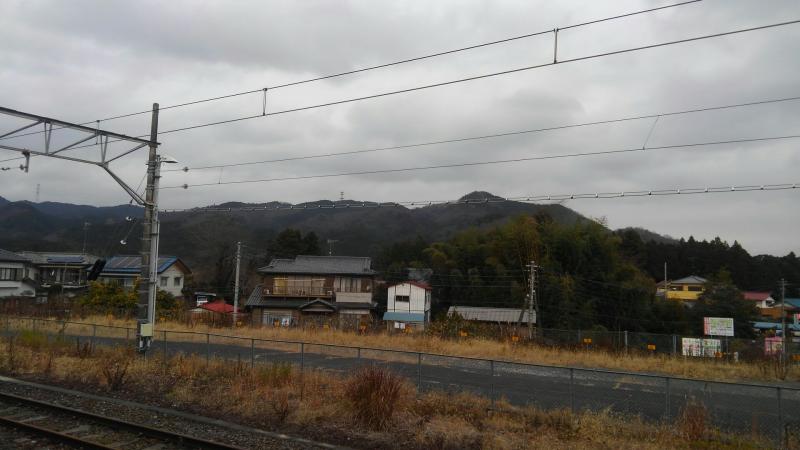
x=65, y=259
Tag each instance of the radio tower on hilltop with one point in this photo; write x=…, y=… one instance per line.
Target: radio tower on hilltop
x=38, y=186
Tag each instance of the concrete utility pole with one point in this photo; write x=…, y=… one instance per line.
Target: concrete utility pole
x=533, y=303
x=783, y=320
x=236, y=282
x=146, y=308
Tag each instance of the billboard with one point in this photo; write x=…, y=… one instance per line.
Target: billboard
x=718, y=326
x=773, y=345
x=709, y=348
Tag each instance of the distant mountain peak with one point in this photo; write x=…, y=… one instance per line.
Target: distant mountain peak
x=478, y=196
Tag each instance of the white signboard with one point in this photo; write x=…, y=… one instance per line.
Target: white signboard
x=708, y=348
x=718, y=326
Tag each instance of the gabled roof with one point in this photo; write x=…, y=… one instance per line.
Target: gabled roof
x=218, y=306
x=756, y=296
x=132, y=264
x=483, y=314
x=320, y=265
x=8, y=256
x=794, y=302
x=691, y=279
x=66, y=258
x=418, y=284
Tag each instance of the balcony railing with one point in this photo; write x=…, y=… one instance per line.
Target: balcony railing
x=300, y=291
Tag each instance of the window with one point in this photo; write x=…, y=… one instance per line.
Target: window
x=695, y=288
x=164, y=281
x=8, y=274
x=348, y=284
x=401, y=299
x=177, y=281
x=127, y=282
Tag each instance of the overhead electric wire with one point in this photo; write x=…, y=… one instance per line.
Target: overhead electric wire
x=488, y=200
x=494, y=135
x=483, y=163
x=379, y=66
x=462, y=80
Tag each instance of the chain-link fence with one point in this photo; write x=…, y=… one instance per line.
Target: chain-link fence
x=758, y=409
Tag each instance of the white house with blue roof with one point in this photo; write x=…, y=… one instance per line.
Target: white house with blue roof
x=125, y=269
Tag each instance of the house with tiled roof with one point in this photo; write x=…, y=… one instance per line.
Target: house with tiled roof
x=683, y=289
x=69, y=270
x=17, y=275
x=125, y=269
x=761, y=299
x=326, y=290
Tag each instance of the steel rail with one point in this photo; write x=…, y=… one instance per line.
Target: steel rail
x=177, y=438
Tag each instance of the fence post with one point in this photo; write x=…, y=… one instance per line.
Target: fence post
x=572, y=389
x=780, y=414
x=165, y=350
x=302, y=367
x=666, y=416
x=626, y=341
x=579, y=337
x=358, y=356
x=674, y=345
x=94, y=334
x=252, y=353
x=491, y=393
x=208, y=349
x=419, y=372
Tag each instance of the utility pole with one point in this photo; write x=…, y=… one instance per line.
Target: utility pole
x=783, y=320
x=85, y=228
x=236, y=282
x=147, y=288
x=533, y=303
x=666, y=283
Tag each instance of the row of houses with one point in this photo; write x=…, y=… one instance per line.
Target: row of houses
x=33, y=274
x=341, y=289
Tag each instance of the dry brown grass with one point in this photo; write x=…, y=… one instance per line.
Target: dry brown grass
x=479, y=348
x=322, y=406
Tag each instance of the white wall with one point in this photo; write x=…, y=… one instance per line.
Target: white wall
x=171, y=273
x=419, y=299
x=10, y=288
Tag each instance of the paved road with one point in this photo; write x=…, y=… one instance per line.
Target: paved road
x=735, y=407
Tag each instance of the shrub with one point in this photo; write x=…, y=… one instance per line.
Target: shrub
x=375, y=394
x=693, y=420
x=114, y=369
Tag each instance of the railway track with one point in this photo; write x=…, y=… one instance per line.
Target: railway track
x=83, y=429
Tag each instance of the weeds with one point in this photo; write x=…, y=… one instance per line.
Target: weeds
x=693, y=420
x=375, y=395
x=114, y=369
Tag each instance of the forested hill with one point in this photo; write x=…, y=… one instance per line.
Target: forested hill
x=691, y=257
x=202, y=238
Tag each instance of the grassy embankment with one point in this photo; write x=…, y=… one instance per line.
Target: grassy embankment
x=371, y=408
x=720, y=370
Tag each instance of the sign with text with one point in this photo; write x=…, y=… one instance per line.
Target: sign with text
x=718, y=326
x=709, y=348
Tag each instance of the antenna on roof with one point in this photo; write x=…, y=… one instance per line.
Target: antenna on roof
x=341, y=195
x=330, y=246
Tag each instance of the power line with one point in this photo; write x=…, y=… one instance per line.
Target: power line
x=380, y=66
x=479, y=77
x=484, y=163
x=462, y=80
x=488, y=200
x=491, y=136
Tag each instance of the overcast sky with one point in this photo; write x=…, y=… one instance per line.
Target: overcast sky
x=86, y=60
